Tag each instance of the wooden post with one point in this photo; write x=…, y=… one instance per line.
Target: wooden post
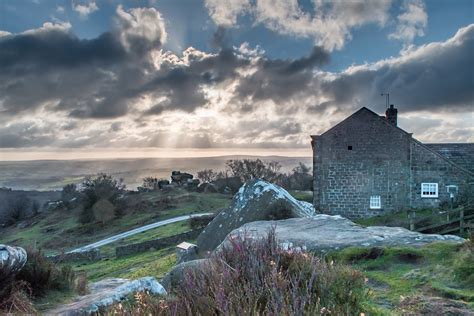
x=461, y=220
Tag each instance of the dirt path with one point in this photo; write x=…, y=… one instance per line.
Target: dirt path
x=135, y=231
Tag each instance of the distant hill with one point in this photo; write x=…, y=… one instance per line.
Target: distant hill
x=54, y=174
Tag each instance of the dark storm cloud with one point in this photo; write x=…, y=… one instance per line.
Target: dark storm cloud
x=437, y=77
x=182, y=85
x=279, y=79
x=85, y=78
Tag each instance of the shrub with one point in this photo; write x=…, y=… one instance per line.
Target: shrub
x=17, y=207
x=463, y=266
x=209, y=175
x=258, y=277
x=41, y=275
x=17, y=301
x=198, y=222
x=104, y=187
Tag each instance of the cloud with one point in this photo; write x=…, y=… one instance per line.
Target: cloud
x=329, y=24
x=412, y=22
x=50, y=67
x=141, y=27
x=4, y=33
x=84, y=9
x=123, y=89
x=432, y=77
x=226, y=13
x=60, y=9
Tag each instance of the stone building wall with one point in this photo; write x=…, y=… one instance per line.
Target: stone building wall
x=365, y=156
x=429, y=166
x=360, y=157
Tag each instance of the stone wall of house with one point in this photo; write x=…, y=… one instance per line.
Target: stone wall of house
x=156, y=244
x=428, y=166
x=361, y=157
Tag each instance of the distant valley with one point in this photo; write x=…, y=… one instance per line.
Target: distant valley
x=54, y=174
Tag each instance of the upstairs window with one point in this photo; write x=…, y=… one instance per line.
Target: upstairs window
x=429, y=190
x=375, y=202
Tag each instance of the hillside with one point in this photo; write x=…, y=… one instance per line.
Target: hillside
x=60, y=230
x=54, y=174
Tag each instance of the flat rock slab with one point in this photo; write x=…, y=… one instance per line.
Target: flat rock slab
x=322, y=233
x=106, y=292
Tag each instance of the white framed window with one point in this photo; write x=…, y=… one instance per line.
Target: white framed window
x=375, y=202
x=429, y=190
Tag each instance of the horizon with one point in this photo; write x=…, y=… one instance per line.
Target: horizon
x=14, y=155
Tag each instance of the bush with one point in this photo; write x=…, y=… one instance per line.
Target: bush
x=209, y=175
x=463, y=266
x=17, y=301
x=18, y=208
x=258, y=277
x=102, y=187
x=41, y=275
x=198, y=222
x=37, y=277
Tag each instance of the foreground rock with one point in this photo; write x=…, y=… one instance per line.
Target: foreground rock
x=322, y=233
x=106, y=292
x=12, y=260
x=256, y=200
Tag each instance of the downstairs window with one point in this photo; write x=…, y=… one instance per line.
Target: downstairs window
x=429, y=190
x=375, y=202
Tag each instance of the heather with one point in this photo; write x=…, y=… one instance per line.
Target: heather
x=258, y=276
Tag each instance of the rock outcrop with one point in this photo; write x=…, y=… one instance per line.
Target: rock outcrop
x=322, y=233
x=107, y=292
x=12, y=260
x=256, y=200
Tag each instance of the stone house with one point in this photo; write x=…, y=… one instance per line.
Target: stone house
x=366, y=165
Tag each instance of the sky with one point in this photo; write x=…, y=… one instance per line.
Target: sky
x=257, y=76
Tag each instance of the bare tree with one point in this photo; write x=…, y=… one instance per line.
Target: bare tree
x=247, y=169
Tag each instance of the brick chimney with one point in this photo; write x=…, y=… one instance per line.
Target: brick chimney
x=391, y=115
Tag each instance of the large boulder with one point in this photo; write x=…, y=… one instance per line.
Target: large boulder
x=177, y=275
x=107, y=292
x=12, y=260
x=256, y=200
x=322, y=233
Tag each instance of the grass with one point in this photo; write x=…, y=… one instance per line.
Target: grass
x=394, y=273
x=47, y=230
x=152, y=263
x=159, y=232
x=302, y=195
x=53, y=299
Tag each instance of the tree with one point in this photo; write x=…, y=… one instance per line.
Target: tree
x=151, y=183
x=247, y=169
x=103, y=186
x=17, y=208
x=207, y=175
x=68, y=193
